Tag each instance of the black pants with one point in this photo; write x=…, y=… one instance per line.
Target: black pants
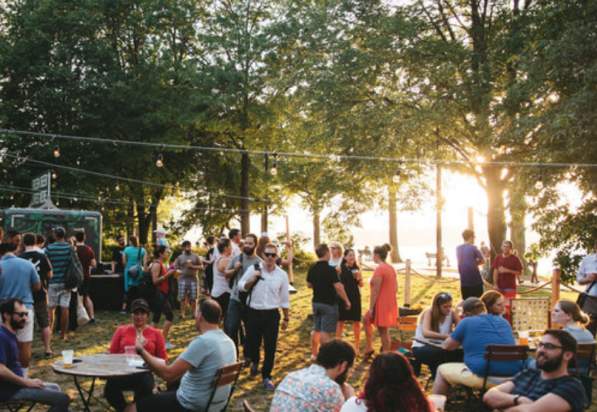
x=263, y=325
x=162, y=305
x=433, y=357
x=141, y=384
x=471, y=291
x=223, y=300
x=161, y=402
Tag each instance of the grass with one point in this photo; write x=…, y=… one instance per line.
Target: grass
x=293, y=345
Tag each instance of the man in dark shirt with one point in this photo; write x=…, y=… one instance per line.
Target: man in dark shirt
x=87, y=258
x=548, y=388
x=469, y=258
x=40, y=298
x=326, y=285
x=117, y=256
x=13, y=385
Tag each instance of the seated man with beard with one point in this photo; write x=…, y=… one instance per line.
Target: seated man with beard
x=549, y=388
x=320, y=387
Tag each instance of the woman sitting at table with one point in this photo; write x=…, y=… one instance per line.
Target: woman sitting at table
x=494, y=302
x=573, y=320
x=435, y=325
x=126, y=336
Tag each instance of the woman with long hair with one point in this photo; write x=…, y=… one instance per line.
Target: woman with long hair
x=434, y=326
x=160, y=276
x=383, y=307
x=221, y=287
x=391, y=387
x=573, y=320
x=135, y=257
x=351, y=278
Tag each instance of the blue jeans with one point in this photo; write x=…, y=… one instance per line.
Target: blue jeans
x=237, y=313
x=49, y=395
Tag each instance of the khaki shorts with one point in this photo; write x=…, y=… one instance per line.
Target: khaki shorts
x=457, y=373
x=58, y=296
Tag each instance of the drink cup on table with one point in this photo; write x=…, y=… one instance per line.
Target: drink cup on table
x=67, y=358
x=523, y=337
x=131, y=354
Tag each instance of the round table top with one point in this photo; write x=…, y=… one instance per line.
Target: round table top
x=99, y=366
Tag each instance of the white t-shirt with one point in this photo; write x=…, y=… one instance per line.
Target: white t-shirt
x=354, y=404
x=221, y=284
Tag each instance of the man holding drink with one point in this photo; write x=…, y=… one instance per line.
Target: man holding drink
x=188, y=264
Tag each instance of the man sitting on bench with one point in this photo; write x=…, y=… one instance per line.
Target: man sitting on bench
x=548, y=388
x=13, y=385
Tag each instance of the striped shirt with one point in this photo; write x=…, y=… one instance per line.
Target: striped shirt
x=59, y=254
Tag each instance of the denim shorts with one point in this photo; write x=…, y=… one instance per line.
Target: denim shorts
x=325, y=317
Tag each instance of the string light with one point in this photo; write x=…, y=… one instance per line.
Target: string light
x=56, y=152
x=159, y=162
x=396, y=177
x=54, y=175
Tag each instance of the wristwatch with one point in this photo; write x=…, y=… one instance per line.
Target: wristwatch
x=516, y=399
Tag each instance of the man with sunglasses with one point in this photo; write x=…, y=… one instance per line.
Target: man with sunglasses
x=549, y=388
x=14, y=386
x=267, y=286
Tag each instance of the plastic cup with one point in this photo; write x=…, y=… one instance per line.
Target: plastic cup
x=523, y=337
x=439, y=401
x=67, y=357
x=131, y=354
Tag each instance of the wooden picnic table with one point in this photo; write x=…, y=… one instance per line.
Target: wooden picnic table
x=100, y=366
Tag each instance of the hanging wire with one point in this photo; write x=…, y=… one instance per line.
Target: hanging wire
x=335, y=157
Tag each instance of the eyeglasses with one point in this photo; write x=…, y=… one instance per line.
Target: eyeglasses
x=548, y=346
x=271, y=255
x=21, y=314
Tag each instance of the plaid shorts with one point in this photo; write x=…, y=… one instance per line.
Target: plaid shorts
x=187, y=287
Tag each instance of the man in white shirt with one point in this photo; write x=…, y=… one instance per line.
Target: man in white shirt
x=587, y=275
x=267, y=285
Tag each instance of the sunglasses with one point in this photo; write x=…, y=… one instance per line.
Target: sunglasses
x=271, y=255
x=548, y=346
x=21, y=314
x=444, y=297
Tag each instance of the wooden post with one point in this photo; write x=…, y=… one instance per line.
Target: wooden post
x=407, y=284
x=289, y=251
x=470, y=218
x=555, y=285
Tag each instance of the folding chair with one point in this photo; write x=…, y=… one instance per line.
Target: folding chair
x=585, y=356
x=228, y=375
x=503, y=353
x=247, y=407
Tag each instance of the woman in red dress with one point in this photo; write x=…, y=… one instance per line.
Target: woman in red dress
x=383, y=306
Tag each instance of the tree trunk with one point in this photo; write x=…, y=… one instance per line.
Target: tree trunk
x=518, y=207
x=393, y=215
x=316, y=228
x=245, y=216
x=143, y=223
x=130, y=219
x=496, y=219
x=264, y=218
x=439, y=249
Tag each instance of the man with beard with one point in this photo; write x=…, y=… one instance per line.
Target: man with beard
x=13, y=385
x=549, y=388
x=195, y=368
x=188, y=264
x=321, y=386
x=237, y=310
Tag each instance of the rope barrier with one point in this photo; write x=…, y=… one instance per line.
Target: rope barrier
x=573, y=289
x=488, y=285
x=535, y=288
x=427, y=277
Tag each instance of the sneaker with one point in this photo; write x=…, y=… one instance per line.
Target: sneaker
x=291, y=289
x=91, y=321
x=169, y=346
x=268, y=385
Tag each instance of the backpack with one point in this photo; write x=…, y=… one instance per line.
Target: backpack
x=73, y=277
x=147, y=289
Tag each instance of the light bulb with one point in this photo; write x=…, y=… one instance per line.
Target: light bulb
x=396, y=178
x=56, y=152
x=159, y=161
x=54, y=175
x=274, y=171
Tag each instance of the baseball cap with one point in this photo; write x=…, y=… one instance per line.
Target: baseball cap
x=140, y=304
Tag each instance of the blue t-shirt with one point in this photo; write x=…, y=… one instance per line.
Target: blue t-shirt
x=475, y=333
x=9, y=357
x=132, y=258
x=17, y=278
x=467, y=256
x=59, y=254
x=207, y=353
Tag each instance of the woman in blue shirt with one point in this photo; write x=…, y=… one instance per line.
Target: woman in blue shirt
x=134, y=255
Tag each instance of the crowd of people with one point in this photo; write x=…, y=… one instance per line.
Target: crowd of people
x=246, y=304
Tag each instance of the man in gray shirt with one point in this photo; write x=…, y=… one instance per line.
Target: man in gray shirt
x=188, y=264
x=197, y=366
x=237, y=311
